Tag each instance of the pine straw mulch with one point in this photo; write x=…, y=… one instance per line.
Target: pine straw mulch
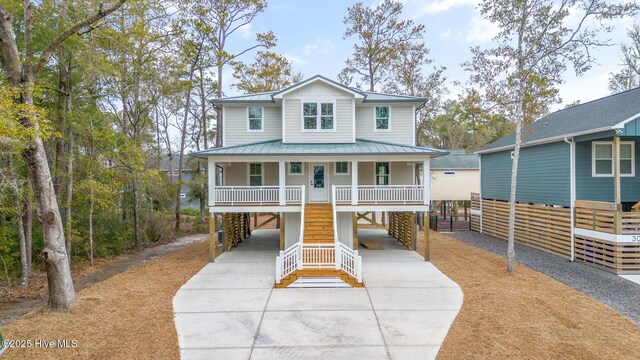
x=525, y=315
x=129, y=315
x=521, y=315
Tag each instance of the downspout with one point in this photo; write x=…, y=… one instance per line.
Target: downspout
x=572, y=190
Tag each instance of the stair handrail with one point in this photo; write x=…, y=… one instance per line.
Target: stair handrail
x=292, y=251
x=302, y=202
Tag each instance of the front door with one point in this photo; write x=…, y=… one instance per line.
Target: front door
x=318, y=190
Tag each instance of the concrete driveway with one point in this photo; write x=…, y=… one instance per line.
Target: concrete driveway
x=230, y=310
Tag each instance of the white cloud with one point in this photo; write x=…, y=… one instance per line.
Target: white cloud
x=419, y=8
x=319, y=46
x=295, y=60
x=245, y=31
x=481, y=30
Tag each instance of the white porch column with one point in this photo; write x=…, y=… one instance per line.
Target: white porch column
x=426, y=181
x=211, y=174
x=281, y=183
x=354, y=183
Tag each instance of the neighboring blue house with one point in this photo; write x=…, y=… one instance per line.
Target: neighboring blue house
x=582, y=204
x=169, y=165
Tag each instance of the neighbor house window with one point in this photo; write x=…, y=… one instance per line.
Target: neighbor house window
x=255, y=174
x=183, y=195
x=382, y=173
x=602, y=158
x=295, y=168
x=382, y=117
x=314, y=119
x=255, y=115
x=342, y=168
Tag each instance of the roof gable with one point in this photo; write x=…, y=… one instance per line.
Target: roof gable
x=315, y=79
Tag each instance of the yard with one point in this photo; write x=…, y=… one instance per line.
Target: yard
x=523, y=315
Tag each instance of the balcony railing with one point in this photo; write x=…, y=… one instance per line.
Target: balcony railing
x=259, y=195
x=603, y=217
x=380, y=194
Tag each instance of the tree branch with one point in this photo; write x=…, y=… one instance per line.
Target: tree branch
x=53, y=45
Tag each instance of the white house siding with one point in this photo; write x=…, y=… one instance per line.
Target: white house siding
x=344, y=222
x=320, y=92
x=236, y=130
x=291, y=228
x=401, y=124
x=454, y=187
x=402, y=173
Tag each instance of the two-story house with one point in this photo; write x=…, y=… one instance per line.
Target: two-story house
x=319, y=152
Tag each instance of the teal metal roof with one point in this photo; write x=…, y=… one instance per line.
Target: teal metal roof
x=456, y=159
x=593, y=116
x=267, y=97
x=360, y=147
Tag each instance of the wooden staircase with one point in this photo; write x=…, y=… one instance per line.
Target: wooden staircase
x=310, y=273
x=318, y=229
x=318, y=224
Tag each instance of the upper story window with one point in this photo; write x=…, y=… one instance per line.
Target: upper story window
x=255, y=174
x=382, y=173
x=382, y=115
x=342, y=168
x=317, y=116
x=602, y=158
x=255, y=116
x=295, y=168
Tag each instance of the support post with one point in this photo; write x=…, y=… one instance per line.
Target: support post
x=354, y=183
x=211, y=175
x=354, y=220
x=213, y=237
x=282, y=228
x=426, y=181
x=427, y=255
x=282, y=183
x=616, y=184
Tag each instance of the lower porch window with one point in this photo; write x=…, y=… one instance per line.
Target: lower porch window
x=255, y=174
x=382, y=173
x=602, y=158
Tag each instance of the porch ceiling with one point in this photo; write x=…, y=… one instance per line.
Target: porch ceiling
x=360, y=147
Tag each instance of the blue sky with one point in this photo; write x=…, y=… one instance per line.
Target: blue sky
x=310, y=34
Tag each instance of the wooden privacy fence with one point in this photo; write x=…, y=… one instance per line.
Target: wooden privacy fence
x=603, y=216
x=236, y=229
x=402, y=227
x=475, y=208
x=615, y=257
x=545, y=227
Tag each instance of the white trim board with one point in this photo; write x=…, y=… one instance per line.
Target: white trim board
x=254, y=208
x=627, y=239
x=372, y=207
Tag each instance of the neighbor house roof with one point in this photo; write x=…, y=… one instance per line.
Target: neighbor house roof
x=457, y=159
x=173, y=162
x=269, y=97
x=360, y=147
x=604, y=114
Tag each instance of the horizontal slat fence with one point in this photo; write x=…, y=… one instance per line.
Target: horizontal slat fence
x=475, y=205
x=595, y=215
x=618, y=258
x=544, y=227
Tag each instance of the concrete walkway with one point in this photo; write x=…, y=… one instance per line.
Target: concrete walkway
x=229, y=310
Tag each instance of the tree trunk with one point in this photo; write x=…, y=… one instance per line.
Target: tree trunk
x=219, y=109
x=69, y=198
x=91, y=225
x=183, y=138
x=28, y=219
x=136, y=215
x=203, y=103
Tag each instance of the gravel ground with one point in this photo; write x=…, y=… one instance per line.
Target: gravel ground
x=605, y=287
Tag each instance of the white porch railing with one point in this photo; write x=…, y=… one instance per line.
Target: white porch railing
x=380, y=194
x=302, y=256
x=260, y=195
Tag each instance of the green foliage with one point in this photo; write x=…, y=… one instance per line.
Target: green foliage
x=269, y=72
